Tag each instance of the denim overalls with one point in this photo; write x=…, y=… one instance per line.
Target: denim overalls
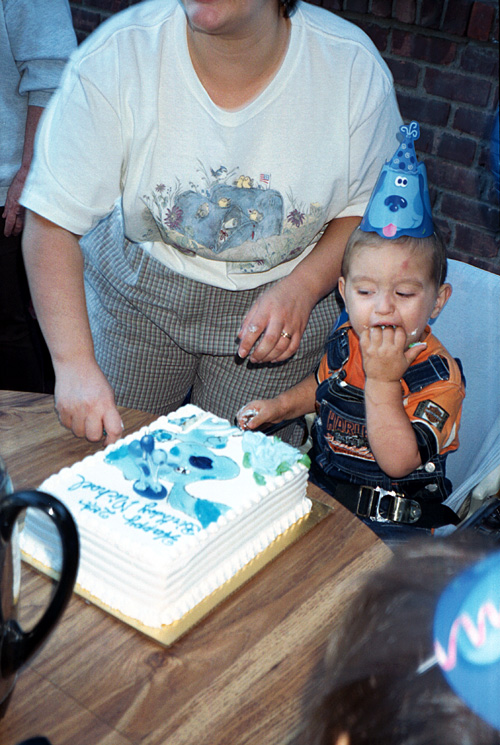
x=341, y=416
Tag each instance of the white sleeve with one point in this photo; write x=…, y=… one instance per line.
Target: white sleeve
x=373, y=126
x=77, y=169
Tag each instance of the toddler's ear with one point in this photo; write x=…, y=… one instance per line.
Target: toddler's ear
x=444, y=294
x=341, y=286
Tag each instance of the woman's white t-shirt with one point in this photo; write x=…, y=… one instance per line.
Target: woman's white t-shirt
x=231, y=198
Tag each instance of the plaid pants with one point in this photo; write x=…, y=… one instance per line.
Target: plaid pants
x=158, y=335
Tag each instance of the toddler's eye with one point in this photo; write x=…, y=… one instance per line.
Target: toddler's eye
x=405, y=294
x=401, y=181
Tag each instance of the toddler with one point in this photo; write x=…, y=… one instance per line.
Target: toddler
x=387, y=394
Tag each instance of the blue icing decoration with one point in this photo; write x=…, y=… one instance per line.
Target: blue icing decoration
x=125, y=458
x=147, y=444
x=222, y=468
x=145, y=469
x=267, y=455
x=156, y=492
x=201, y=461
x=116, y=454
x=162, y=435
x=181, y=421
x=186, y=462
x=135, y=450
x=207, y=512
x=107, y=503
x=211, y=432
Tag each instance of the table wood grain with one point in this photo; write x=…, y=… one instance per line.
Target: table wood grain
x=238, y=678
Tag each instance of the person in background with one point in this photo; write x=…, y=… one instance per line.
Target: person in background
x=215, y=156
x=387, y=394
x=416, y=658
x=36, y=39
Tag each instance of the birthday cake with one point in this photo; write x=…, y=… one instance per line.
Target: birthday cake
x=168, y=514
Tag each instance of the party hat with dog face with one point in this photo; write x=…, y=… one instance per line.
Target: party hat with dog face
x=400, y=204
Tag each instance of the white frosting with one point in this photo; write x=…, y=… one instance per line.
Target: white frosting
x=142, y=556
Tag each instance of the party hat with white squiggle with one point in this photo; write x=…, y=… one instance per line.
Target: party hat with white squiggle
x=467, y=637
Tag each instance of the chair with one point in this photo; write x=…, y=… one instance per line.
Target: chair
x=469, y=327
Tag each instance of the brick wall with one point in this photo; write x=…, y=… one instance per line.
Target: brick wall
x=88, y=14
x=444, y=58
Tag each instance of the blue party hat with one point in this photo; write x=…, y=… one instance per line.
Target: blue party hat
x=400, y=204
x=467, y=637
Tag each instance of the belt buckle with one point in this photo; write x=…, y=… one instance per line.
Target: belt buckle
x=404, y=510
x=400, y=509
x=369, y=503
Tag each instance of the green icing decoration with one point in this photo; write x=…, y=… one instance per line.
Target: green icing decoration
x=282, y=468
x=305, y=460
x=259, y=478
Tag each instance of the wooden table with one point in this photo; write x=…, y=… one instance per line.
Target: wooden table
x=237, y=678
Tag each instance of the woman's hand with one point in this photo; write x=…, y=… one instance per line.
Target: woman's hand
x=85, y=403
x=13, y=211
x=275, y=323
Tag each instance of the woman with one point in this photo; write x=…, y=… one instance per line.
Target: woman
x=241, y=144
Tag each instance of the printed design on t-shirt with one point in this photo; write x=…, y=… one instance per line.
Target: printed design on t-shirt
x=430, y=412
x=347, y=437
x=229, y=216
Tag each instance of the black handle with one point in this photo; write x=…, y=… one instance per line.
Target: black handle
x=18, y=646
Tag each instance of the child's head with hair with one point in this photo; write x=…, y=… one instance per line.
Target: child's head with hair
x=433, y=246
x=394, y=267
x=372, y=688
x=395, y=282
